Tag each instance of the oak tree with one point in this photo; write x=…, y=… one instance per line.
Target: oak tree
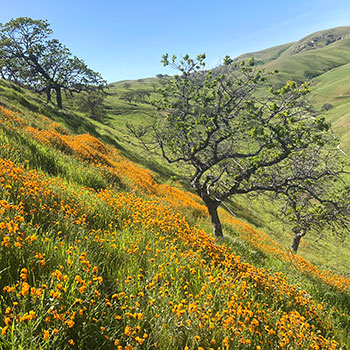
x=319, y=198
x=232, y=133
x=31, y=58
x=92, y=103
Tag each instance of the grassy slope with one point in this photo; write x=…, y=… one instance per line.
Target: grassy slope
x=95, y=254
x=267, y=55
x=332, y=253
x=318, y=40
x=333, y=87
x=312, y=63
x=245, y=241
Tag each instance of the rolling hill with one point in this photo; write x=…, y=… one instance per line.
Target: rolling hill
x=102, y=247
x=322, y=58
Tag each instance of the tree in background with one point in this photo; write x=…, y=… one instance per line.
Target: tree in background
x=142, y=95
x=139, y=96
x=128, y=96
x=319, y=199
x=307, y=212
x=31, y=58
x=92, y=103
x=235, y=135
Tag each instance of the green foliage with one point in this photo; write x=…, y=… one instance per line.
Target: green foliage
x=31, y=58
x=233, y=140
x=92, y=103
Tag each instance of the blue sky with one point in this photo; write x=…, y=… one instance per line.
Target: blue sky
x=126, y=39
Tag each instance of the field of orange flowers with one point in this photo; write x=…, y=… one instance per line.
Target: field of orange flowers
x=115, y=264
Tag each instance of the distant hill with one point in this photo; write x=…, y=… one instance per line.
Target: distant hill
x=324, y=59
x=313, y=41
x=318, y=40
x=266, y=55
x=103, y=248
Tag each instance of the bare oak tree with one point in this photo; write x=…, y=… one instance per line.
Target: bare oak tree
x=233, y=133
x=319, y=199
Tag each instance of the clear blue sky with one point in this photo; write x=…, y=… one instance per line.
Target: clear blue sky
x=126, y=39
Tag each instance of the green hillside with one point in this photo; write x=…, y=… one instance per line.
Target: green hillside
x=333, y=87
x=266, y=55
x=322, y=58
x=318, y=40
x=96, y=254
x=309, y=64
x=104, y=246
x=322, y=62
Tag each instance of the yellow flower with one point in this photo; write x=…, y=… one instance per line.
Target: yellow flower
x=70, y=323
x=46, y=334
x=127, y=330
x=4, y=330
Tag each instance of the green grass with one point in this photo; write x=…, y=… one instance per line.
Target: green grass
x=267, y=55
x=115, y=261
x=330, y=71
x=318, y=40
x=309, y=64
x=330, y=86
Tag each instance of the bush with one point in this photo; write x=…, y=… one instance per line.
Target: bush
x=327, y=107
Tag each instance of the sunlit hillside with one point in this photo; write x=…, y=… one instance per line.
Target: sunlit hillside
x=104, y=246
x=322, y=58
x=96, y=254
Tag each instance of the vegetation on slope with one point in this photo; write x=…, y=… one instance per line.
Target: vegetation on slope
x=95, y=254
x=311, y=63
x=311, y=42
x=331, y=90
x=317, y=40
x=265, y=56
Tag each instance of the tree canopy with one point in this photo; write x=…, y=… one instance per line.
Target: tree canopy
x=92, y=103
x=234, y=134
x=31, y=58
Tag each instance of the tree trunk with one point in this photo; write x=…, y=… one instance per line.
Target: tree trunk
x=296, y=240
x=58, y=97
x=215, y=221
x=48, y=95
x=212, y=206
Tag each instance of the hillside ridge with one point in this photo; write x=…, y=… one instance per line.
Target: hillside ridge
x=318, y=40
x=312, y=41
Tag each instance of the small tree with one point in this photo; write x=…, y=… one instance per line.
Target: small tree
x=231, y=132
x=128, y=96
x=307, y=212
x=319, y=200
x=92, y=103
x=141, y=95
x=327, y=106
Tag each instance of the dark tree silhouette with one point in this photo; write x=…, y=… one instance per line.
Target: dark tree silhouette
x=31, y=58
